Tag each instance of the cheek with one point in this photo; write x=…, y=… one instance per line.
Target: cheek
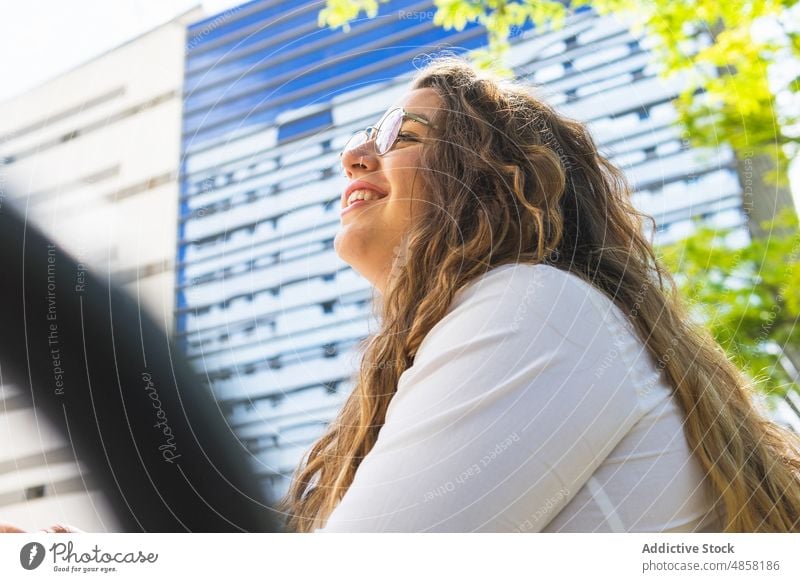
x=407, y=188
x=398, y=215
x=404, y=173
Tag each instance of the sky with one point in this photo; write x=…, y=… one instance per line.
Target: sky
x=40, y=39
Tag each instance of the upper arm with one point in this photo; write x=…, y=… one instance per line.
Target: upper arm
x=502, y=418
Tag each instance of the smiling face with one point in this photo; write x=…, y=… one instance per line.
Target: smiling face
x=371, y=231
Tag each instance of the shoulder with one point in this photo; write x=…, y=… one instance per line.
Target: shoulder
x=519, y=294
x=523, y=280
x=539, y=309
x=520, y=308
x=557, y=314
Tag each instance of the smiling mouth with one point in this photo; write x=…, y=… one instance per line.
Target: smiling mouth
x=364, y=194
x=359, y=204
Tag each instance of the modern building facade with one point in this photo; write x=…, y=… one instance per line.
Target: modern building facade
x=264, y=306
x=93, y=156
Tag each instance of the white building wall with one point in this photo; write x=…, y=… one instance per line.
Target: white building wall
x=94, y=155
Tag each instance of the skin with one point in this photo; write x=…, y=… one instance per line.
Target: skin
x=57, y=528
x=370, y=237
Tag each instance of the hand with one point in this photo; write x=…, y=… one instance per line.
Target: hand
x=57, y=528
x=62, y=528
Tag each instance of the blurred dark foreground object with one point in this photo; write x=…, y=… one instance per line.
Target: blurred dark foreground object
x=111, y=381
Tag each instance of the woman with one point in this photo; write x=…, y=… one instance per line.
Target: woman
x=535, y=368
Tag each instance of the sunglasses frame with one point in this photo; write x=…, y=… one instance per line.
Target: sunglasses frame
x=373, y=130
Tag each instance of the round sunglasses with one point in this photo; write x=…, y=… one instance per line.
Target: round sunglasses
x=385, y=133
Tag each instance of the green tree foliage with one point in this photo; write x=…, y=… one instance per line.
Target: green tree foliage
x=341, y=12
x=747, y=296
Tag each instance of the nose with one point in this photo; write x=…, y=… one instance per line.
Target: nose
x=360, y=159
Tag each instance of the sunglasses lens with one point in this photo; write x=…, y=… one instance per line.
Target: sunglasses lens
x=389, y=129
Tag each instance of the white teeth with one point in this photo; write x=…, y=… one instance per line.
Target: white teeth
x=362, y=195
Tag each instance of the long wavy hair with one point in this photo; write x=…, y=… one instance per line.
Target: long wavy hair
x=507, y=179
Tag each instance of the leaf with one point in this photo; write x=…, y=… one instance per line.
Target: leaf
x=746, y=297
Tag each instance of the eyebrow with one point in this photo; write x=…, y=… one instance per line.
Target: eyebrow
x=425, y=117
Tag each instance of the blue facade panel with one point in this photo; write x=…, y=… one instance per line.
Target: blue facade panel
x=250, y=79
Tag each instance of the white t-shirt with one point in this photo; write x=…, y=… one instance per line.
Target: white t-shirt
x=531, y=406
